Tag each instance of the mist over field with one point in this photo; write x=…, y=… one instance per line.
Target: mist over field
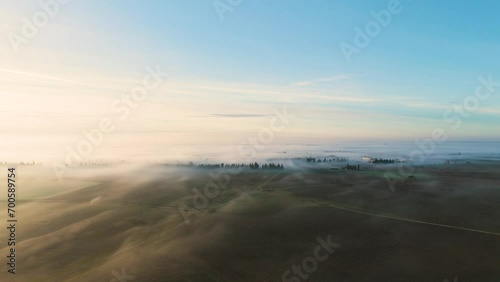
x=177, y=222
x=249, y=141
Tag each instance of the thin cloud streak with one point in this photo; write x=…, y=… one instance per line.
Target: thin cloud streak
x=337, y=77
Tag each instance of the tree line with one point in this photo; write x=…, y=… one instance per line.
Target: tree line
x=383, y=161
x=351, y=167
x=254, y=165
x=314, y=160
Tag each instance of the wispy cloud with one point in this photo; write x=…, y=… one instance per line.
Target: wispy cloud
x=238, y=115
x=444, y=107
x=261, y=93
x=232, y=115
x=337, y=77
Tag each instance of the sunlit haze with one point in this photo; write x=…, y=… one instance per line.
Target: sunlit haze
x=226, y=77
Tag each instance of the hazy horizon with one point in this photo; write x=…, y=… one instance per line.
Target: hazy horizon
x=219, y=79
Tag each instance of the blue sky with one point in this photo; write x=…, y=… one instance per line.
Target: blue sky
x=261, y=56
x=273, y=42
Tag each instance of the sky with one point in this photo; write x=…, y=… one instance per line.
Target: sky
x=232, y=64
